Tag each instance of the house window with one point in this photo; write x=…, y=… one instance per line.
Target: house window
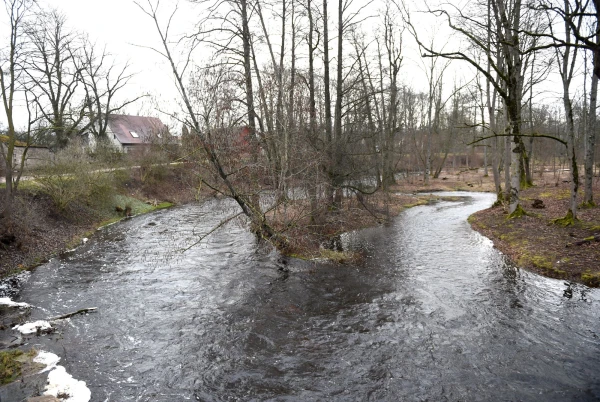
x=134, y=134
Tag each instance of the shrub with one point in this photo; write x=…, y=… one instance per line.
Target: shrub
x=73, y=177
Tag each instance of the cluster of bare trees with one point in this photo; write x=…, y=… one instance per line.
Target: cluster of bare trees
x=515, y=45
x=331, y=110
x=64, y=82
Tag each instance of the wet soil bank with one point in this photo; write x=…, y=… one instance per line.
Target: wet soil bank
x=536, y=243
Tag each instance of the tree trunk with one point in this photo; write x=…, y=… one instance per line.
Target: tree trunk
x=327, y=106
x=590, y=139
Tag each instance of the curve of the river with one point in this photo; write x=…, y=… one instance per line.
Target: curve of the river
x=433, y=312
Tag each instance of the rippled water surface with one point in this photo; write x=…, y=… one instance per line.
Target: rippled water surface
x=433, y=312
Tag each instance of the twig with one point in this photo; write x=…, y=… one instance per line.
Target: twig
x=82, y=311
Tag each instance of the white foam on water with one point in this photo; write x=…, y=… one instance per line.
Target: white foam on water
x=60, y=383
x=50, y=360
x=32, y=327
x=6, y=301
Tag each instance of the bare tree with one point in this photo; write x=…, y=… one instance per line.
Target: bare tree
x=11, y=61
x=55, y=76
x=566, y=57
x=505, y=34
x=103, y=80
x=250, y=205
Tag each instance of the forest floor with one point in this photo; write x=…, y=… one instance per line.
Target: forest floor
x=536, y=242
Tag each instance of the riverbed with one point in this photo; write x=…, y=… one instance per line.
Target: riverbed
x=431, y=312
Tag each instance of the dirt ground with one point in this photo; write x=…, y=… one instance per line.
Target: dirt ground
x=536, y=243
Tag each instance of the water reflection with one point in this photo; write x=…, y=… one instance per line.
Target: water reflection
x=433, y=312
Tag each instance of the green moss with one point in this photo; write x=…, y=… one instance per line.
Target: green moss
x=591, y=279
x=518, y=213
x=163, y=205
x=586, y=205
x=557, y=195
x=525, y=185
x=568, y=220
x=540, y=262
x=420, y=201
x=11, y=363
x=299, y=256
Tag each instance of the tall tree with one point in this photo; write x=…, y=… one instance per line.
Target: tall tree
x=249, y=204
x=54, y=71
x=11, y=61
x=504, y=31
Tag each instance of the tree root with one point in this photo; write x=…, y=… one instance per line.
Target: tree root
x=568, y=220
x=595, y=238
x=518, y=213
x=589, y=204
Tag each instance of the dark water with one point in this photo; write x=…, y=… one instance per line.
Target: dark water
x=433, y=313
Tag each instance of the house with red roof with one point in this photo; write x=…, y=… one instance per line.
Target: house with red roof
x=130, y=132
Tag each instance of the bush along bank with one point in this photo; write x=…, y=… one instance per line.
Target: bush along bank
x=53, y=212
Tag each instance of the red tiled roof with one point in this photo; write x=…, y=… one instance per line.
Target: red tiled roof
x=146, y=127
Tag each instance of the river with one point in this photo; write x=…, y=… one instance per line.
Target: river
x=432, y=313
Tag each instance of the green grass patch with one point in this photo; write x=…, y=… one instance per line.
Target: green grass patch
x=420, y=201
x=591, y=279
x=11, y=364
x=163, y=205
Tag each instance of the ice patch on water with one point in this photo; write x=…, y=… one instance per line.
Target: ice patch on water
x=32, y=327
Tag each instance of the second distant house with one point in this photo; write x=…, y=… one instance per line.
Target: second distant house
x=135, y=132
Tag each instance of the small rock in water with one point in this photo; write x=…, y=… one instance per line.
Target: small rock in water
x=84, y=240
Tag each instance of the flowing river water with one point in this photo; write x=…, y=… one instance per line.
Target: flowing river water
x=432, y=313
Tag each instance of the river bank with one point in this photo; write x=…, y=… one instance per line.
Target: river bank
x=535, y=242
x=40, y=230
